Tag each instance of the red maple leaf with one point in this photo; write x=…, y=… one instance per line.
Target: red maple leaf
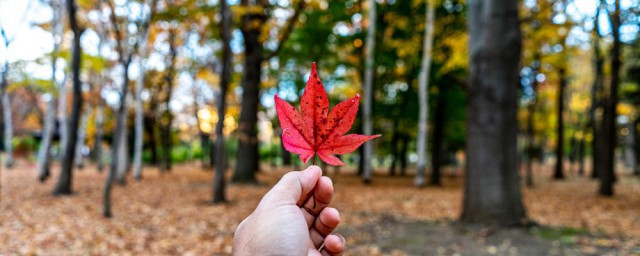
x=318, y=130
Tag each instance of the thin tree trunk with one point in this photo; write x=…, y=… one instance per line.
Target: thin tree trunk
x=47, y=137
x=151, y=130
x=636, y=143
x=423, y=83
x=403, y=154
x=492, y=189
x=139, y=126
x=608, y=176
x=6, y=110
x=167, y=116
x=437, y=152
x=44, y=154
x=99, y=120
x=82, y=131
x=531, y=132
x=370, y=45
x=63, y=187
x=559, y=168
x=219, y=180
x=62, y=115
x=139, y=122
x=597, y=89
x=123, y=146
x=394, y=147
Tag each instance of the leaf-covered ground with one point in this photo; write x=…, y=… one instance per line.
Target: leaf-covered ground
x=169, y=214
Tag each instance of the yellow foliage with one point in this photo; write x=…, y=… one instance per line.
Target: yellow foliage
x=208, y=76
x=625, y=109
x=457, y=44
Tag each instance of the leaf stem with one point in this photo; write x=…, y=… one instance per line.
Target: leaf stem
x=313, y=162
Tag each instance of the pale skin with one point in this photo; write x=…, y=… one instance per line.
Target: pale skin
x=286, y=223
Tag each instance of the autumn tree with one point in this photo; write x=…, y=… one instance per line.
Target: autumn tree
x=6, y=102
x=607, y=175
x=255, y=15
x=225, y=35
x=367, y=88
x=492, y=188
x=423, y=83
x=63, y=187
x=44, y=154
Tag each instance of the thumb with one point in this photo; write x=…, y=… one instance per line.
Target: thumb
x=294, y=187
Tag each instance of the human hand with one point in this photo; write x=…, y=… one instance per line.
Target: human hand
x=286, y=223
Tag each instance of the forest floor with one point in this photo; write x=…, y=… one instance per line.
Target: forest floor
x=169, y=214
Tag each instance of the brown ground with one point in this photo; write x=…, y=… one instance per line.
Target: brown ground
x=168, y=214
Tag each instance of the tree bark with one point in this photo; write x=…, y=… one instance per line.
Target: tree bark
x=142, y=65
x=558, y=174
x=44, y=153
x=62, y=114
x=492, y=189
x=437, y=152
x=423, y=83
x=82, y=131
x=123, y=118
x=6, y=107
x=394, y=147
x=597, y=89
x=370, y=45
x=99, y=120
x=403, y=154
x=219, y=179
x=247, y=160
x=167, y=116
x=608, y=176
x=63, y=187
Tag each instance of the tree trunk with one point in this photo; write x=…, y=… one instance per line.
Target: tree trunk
x=370, y=45
x=116, y=149
x=636, y=143
x=44, y=156
x=82, y=131
x=608, y=176
x=219, y=180
x=139, y=122
x=99, y=120
x=597, y=89
x=492, y=189
x=559, y=169
x=62, y=115
x=6, y=111
x=423, y=83
x=437, y=152
x=123, y=146
x=139, y=125
x=167, y=116
x=63, y=187
x=44, y=153
x=531, y=132
x=247, y=160
x=150, y=128
x=394, y=148
x=403, y=154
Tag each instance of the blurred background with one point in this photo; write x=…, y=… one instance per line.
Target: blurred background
x=152, y=122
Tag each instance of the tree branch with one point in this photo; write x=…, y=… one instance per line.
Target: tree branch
x=117, y=32
x=288, y=29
